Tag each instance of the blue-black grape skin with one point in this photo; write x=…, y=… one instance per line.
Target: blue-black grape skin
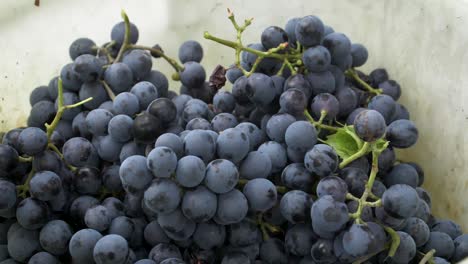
x=140, y=62
x=154, y=234
x=259, y=89
x=321, y=160
x=325, y=102
x=209, y=235
x=234, y=258
x=223, y=121
x=96, y=91
x=119, y=77
x=334, y=186
x=199, y=143
x=301, y=135
x=40, y=93
x=359, y=54
x=232, y=144
x=233, y=73
x=290, y=29
x=7, y=195
x=321, y=82
x=328, y=215
x=126, y=103
x=355, y=179
x=406, y=250
x=54, y=237
x=193, y=74
x=97, y=218
x=81, y=46
x=114, y=206
x=163, y=196
x=277, y=154
x=41, y=112
x=82, y=244
x=316, y=59
x=369, y=125
x=162, y=162
x=461, y=248
x=146, y=92
x=32, y=140
x=273, y=36
x=293, y=101
x=358, y=240
x=22, y=243
x=256, y=136
x=45, y=185
x=32, y=213
x=400, y=200
x=338, y=45
x=97, y=121
x=296, y=176
x=383, y=104
x=418, y=230
x=159, y=80
x=199, y=204
x=255, y=165
x=347, y=100
x=190, y=171
x=243, y=233
x=110, y=249
x=261, y=194
x=118, y=32
x=122, y=226
x=401, y=174
x=299, y=239
x=88, y=68
x=190, y=51
x=232, y=207
x=273, y=251
x=322, y=251
x=221, y=176
x=295, y=206
x=134, y=174
x=402, y=133
x=176, y=225
x=309, y=31
x=109, y=149
x=70, y=79
x=43, y=257
x=277, y=125
x=224, y=101
x=391, y=88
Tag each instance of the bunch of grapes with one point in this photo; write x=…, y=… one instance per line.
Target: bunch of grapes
x=296, y=164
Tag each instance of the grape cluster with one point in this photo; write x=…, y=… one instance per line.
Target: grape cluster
x=296, y=164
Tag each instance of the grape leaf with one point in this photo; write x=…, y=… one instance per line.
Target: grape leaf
x=344, y=143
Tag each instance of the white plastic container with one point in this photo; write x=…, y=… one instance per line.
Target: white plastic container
x=422, y=43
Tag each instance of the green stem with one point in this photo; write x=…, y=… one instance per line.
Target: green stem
x=61, y=109
x=351, y=197
x=395, y=240
x=428, y=257
x=23, y=189
x=317, y=124
x=177, y=67
x=126, y=37
x=109, y=91
x=352, y=73
x=23, y=159
x=363, y=200
x=262, y=227
x=363, y=151
x=281, y=189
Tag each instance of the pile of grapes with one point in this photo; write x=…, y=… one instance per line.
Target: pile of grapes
x=295, y=165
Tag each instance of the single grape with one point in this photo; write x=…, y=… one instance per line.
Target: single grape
x=358, y=240
x=273, y=36
x=321, y=160
x=223, y=121
x=139, y=61
x=79, y=206
x=295, y=206
x=328, y=215
x=233, y=73
x=322, y=251
x=259, y=89
x=163, y=196
x=146, y=128
x=43, y=257
x=401, y=174
x=70, y=79
x=402, y=133
x=118, y=33
x=122, y=226
x=309, y=31
x=164, y=109
x=449, y=227
x=97, y=218
x=190, y=50
x=243, y=233
x=290, y=29
x=232, y=207
x=88, y=68
x=199, y=143
x=54, y=237
x=316, y=59
x=406, y=249
x=193, y=75
x=221, y=176
x=261, y=194
x=369, y=125
x=378, y=76
x=134, y=174
x=146, y=92
x=359, y=54
x=334, y=186
x=255, y=165
x=418, y=230
x=22, y=244
x=162, y=162
x=321, y=82
x=235, y=257
x=159, y=80
x=293, y=101
x=32, y=140
x=82, y=46
x=232, y=144
x=327, y=103
x=296, y=176
x=400, y=200
x=114, y=206
x=119, y=77
x=45, y=185
x=110, y=249
x=209, y=235
x=461, y=248
x=338, y=45
x=277, y=125
x=199, y=204
x=32, y=213
x=82, y=244
x=299, y=82
x=176, y=225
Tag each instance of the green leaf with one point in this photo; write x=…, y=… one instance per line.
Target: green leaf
x=345, y=142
